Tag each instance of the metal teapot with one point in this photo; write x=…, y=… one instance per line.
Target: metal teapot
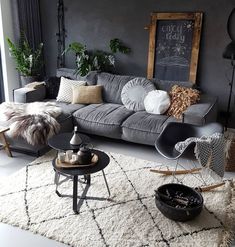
x=84, y=155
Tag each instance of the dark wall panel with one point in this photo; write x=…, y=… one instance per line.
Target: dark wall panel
x=94, y=23
x=1, y=82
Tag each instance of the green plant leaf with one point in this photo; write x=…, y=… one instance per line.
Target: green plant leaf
x=28, y=61
x=116, y=45
x=87, y=61
x=76, y=47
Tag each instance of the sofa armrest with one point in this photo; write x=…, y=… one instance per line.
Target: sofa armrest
x=205, y=111
x=27, y=95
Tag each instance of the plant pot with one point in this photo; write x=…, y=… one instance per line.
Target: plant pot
x=28, y=79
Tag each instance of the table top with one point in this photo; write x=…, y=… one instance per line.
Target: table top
x=61, y=141
x=103, y=161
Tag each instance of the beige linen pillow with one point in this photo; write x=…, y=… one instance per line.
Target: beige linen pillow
x=87, y=94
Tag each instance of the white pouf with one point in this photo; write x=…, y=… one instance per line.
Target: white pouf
x=157, y=102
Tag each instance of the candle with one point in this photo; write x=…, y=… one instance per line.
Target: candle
x=74, y=157
x=69, y=155
x=61, y=157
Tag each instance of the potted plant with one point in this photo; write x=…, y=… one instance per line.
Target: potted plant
x=87, y=61
x=29, y=62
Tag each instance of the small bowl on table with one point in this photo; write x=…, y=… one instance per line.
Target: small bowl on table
x=178, y=202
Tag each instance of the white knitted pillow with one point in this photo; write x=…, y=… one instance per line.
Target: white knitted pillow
x=157, y=102
x=65, y=93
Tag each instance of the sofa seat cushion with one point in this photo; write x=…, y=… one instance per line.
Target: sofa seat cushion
x=65, y=118
x=67, y=109
x=101, y=119
x=143, y=127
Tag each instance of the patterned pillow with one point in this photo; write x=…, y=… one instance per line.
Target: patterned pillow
x=65, y=92
x=181, y=99
x=134, y=92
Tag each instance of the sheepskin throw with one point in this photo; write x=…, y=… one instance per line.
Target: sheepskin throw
x=34, y=122
x=181, y=99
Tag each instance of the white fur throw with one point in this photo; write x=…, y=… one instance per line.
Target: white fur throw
x=34, y=122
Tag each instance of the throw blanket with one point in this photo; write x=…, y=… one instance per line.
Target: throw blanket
x=209, y=151
x=34, y=122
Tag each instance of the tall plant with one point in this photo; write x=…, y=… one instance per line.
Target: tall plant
x=87, y=61
x=29, y=62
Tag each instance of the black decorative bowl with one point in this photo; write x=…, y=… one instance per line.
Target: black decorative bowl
x=178, y=202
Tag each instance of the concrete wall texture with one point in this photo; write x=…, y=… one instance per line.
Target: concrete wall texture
x=94, y=23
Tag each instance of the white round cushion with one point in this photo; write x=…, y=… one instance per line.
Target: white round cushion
x=157, y=102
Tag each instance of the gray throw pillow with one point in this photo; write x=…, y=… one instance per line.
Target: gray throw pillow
x=134, y=92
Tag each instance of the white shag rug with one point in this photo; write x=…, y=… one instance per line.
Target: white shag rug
x=28, y=200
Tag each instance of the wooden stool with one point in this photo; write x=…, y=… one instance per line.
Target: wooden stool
x=4, y=142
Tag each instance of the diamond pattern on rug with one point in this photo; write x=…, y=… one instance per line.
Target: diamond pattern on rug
x=13, y=210
x=146, y=182
x=61, y=206
x=206, y=220
x=81, y=230
x=204, y=237
x=131, y=163
x=15, y=184
x=39, y=175
x=129, y=224
x=128, y=218
x=119, y=183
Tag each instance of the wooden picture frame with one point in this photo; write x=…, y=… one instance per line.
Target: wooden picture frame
x=174, y=40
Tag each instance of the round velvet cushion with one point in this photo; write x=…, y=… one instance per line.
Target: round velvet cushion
x=157, y=102
x=134, y=92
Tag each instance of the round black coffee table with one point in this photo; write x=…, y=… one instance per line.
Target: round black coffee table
x=61, y=141
x=73, y=173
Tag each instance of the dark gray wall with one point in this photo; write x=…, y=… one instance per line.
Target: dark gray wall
x=94, y=23
x=1, y=82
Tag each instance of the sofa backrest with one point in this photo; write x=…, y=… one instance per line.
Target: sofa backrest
x=90, y=78
x=112, y=86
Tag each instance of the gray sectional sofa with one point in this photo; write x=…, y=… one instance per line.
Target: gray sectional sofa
x=111, y=118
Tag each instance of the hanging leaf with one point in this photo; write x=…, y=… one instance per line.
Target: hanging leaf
x=87, y=61
x=117, y=46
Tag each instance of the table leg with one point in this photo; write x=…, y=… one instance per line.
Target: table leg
x=56, y=181
x=5, y=144
x=87, y=179
x=106, y=183
x=75, y=194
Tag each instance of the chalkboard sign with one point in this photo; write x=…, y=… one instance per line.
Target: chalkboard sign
x=174, y=46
